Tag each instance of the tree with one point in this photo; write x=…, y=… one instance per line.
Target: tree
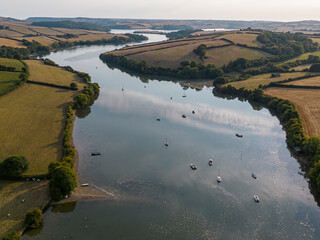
x=74, y=86
x=34, y=218
x=11, y=236
x=311, y=146
x=315, y=67
x=63, y=181
x=14, y=166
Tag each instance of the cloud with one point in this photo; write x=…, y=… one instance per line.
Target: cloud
x=207, y=117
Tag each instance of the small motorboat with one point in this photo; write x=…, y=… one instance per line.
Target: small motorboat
x=166, y=144
x=210, y=162
x=185, y=88
x=254, y=176
x=95, y=153
x=170, y=97
x=239, y=135
x=158, y=119
x=85, y=185
x=193, y=167
x=184, y=116
x=219, y=179
x=256, y=198
x=193, y=112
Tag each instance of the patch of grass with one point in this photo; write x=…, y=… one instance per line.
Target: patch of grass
x=11, y=43
x=44, y=30
x=9, y=33
x=41, y=39
x=307, y=104
x=248, y=39
x=31, y=123
x=40, y=72
x=222, y=56
x=11, y=63
x=9, y=76
x=264, y=79
x=34, y=194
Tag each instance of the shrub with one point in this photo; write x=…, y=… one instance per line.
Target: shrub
x=14, y=166
x=74, y=86
x=34, y=218
x=11, y=236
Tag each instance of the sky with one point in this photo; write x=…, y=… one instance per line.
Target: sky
x=277, y=10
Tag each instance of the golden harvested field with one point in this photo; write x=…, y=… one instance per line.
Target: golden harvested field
x=249, y=39
x=302, y=67
x=307, y=103
x=8, y=33
x=12, y=192
x=22, y=29
x=31, y=122
x=264, y=79
x=71, y=31
x=45, y=30
x=316, y=40
x=222, y=56
x=92, y=37
x=11, y=43
x=172, y=54
x=313, y=81
x=40, y=72
x=11, y=63
x=41, y=39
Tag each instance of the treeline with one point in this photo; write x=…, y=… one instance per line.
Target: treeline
x=115, y=40
x=290, y=121
x=286, y=44
x=182, y=33
x=68, y=35
x=186, y=70
x=72, y=25
x=63, y=178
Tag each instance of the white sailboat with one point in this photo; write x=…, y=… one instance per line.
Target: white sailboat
x=219, y=179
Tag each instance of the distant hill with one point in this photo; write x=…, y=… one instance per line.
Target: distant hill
x=298, y=26
x=72, y=25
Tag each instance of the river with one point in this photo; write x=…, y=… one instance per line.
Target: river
x=158, y=196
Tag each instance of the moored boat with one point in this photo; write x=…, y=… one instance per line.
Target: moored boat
x=95, y=153
x=256, y=198
x=210, y=162
x=239, y=135
x=193, y=167
x=254, y=176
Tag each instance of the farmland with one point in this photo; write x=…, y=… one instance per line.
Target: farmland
x=243, y=38
x=307, y=104
x=40, y=72
x=264, y=79
x=172, y=53
x=11, y=43
x=11, y=63
x=42, y=106
x=313, y=81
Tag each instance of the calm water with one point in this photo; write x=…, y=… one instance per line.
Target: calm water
x=158, y=196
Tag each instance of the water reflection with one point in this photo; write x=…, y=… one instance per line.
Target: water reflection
x=206, y=117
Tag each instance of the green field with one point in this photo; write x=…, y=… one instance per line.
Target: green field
x=9, y=76
x=40, y=72
x=11, y=63
x=264, y=79
x=31, y=122
x=222, y=56
x=243, y=38
x=302, y=57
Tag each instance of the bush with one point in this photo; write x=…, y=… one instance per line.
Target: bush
x=63, y=181
x=14, y=166
x=11, y=236
x=74, y=86
x=34, y=218
x=315, y=67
